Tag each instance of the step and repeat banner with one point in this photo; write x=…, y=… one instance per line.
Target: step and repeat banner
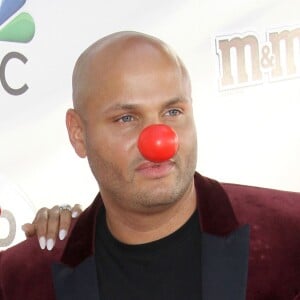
x=244, y=62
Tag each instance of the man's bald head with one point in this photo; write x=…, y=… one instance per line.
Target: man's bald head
x=115, y=53
x=121, y=84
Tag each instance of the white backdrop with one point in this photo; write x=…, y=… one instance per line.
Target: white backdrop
x=248, y=132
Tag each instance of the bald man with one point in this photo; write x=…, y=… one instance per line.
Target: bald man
x=156, y=230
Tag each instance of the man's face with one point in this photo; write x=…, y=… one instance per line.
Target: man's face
x=122, y=101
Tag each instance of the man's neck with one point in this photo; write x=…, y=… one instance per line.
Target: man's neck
x=139, y=228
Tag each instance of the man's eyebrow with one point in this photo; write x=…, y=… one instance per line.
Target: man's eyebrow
x=175, y=100
x=133, y=106
x=122, y=106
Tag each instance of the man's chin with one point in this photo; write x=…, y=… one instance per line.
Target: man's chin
x=158, y=195
x=151, y=205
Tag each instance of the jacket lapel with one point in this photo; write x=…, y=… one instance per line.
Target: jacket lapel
x=76, y=283
x=225, y=245
x=76, y=277
x=225, y=265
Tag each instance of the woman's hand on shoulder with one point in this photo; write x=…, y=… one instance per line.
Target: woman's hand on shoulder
x=50, y=224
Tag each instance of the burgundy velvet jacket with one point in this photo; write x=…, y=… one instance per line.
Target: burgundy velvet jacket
x=259, y=261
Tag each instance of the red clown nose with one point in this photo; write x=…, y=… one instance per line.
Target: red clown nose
x=158, y=143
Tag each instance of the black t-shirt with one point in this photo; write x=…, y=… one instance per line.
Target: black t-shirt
x=169, y=268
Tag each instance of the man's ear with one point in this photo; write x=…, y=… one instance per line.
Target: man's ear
x=76, y=132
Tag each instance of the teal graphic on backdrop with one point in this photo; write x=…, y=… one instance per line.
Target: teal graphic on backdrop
x=18, y=28
x=21, y=28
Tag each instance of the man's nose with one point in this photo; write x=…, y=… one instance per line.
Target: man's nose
x=158, y=142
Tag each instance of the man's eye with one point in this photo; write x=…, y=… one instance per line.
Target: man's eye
x=173, y=112
x=125, y=119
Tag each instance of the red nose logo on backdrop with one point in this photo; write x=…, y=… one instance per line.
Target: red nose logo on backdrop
x=15, y=210
x=158, y=143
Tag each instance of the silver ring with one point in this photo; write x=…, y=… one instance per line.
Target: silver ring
x=65, y=207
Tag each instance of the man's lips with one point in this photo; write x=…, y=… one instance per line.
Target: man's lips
x=155, y=170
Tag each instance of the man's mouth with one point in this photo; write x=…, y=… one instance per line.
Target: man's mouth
x=153, y=170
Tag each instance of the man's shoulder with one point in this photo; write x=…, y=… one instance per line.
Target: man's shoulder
x=27, y=258
x=251, y=203
x=273, y=216
x=244, y=197
x=26, y=271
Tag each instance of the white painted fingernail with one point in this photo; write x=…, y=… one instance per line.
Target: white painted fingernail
x=50, y=244
x=62, y=234
x=74, y=214
x=42, y=242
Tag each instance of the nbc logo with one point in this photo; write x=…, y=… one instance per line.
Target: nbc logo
x=15, y=27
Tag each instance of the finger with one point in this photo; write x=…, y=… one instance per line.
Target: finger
x=40, y=223
x=52, y=226
x=76, y=211
x=29, y=229
x=65, y=222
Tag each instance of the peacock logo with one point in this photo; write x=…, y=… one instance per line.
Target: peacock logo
x=17, y=28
